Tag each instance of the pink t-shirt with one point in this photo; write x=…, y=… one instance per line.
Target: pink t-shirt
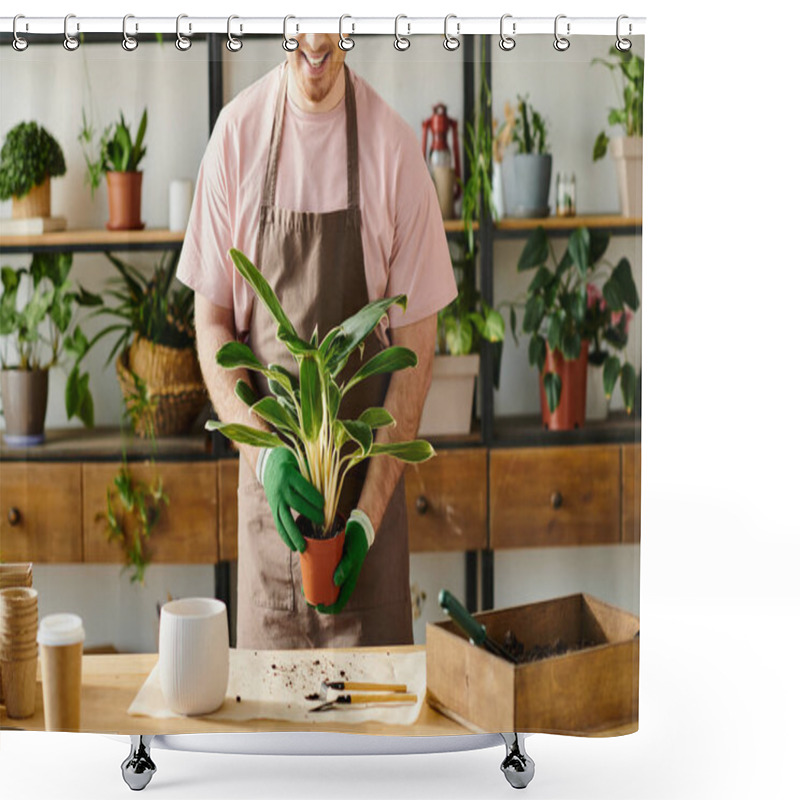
x=405, y=249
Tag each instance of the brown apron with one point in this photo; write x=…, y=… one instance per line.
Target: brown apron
x=315, y=263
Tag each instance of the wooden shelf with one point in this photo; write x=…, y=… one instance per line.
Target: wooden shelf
x=97, y=241
x=512, y=227
x=527, y=431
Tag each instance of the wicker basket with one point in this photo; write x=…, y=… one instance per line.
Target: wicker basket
x=173, y=404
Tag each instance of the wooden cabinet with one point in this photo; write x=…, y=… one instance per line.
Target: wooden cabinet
x=554, y=496
x=631, y=493
x=186, y=532
x=228, y=493
x=41, y=512
x=446, y=500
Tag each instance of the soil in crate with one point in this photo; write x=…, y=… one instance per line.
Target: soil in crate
x=538, y=652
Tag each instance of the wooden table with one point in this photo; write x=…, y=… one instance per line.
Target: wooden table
x=111, y=682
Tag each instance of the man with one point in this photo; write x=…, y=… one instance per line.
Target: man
x=322, y=185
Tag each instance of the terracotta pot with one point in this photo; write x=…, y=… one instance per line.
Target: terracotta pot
x=34, y=204
x=124, y=201
x=318, y=563
x=24, y=405
x=571, y=409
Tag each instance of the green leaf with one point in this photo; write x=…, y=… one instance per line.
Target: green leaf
x=412, y=452
x=537, y=350
x=283, y=383
x=270, y=410
x=627, y=380
x=613, y=294
x=571, y=345
x=534, y=313
x=244, y=434
x=72, y=393
x=536, y=251
x=334, y=400
x=294, y=344
x=376, y=418
x=578, y=246
x=245, y=392
x=610, y=374
x=494, y=329
x=310, y=398
x=623, y=278
x=392, y=359
x=458, y=335
x=552, y=390
x=360, y=433
x=598, y=244
x=262, y=289
x=237, y=355
x=555, y=331
x=600, y=146
x=578, y=303
x=512, y=318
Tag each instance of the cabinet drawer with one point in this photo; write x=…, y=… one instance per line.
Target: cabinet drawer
x=446, y=500
x=554, y=496
x=41, y=512
x=227, y=488
x=631, y=493
x=186, y=532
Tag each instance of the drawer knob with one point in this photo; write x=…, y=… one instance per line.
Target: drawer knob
x=556, y=500
x=421, y=504
x=14, y=517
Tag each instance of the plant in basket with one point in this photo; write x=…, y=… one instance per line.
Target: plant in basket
x=156, y=363
x=302, y=409
x=561, y=321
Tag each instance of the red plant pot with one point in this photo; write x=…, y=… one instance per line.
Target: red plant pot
x=124, y=201
x=318, y=562
x=571, y=409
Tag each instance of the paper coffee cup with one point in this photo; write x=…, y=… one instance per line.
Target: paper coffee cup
x=19, y=687
x=19, y=615
x=61, y=638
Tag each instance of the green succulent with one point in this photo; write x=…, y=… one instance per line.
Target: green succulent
x=29, y=156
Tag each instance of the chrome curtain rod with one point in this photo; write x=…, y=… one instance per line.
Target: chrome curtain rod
x=452, y=26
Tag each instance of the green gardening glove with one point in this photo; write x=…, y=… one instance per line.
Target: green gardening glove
x=358, y=536
x=287, y=489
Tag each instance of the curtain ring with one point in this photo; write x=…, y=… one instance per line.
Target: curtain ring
x=289, y=44
x=400, y=42
x=233, y=44
x=70, y=42
x=623, y=45
x=129, y=43
x=345, y=44
x=451, y=43
x=181, y=42
x=18, y=43
x=507, y=42
x=560, y=43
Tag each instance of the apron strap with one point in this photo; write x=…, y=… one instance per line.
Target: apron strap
x=276, y=135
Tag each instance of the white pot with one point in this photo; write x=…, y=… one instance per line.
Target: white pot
x=627, y=154
x=448, y=406
x=596, y=401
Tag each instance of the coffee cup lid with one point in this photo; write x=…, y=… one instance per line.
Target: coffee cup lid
x=61, y=629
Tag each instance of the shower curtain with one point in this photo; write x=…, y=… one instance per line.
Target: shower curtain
x=530, y=156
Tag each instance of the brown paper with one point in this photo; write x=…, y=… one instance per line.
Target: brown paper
x=61, y=686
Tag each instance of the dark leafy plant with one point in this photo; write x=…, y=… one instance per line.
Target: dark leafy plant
x=303, y=409
x=530, y=128
x=556, y=302
x=117, y=150
x=628, y=114
x=29, y=156
x=38, y=314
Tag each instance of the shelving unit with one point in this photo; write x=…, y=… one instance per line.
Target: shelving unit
x=93, y=241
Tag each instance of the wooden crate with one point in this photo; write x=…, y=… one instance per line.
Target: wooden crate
x=583, y=692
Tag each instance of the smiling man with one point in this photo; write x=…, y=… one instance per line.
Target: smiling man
x=314, y=177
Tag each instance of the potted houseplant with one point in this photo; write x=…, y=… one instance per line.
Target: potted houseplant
x=39, y=331
x=118, y=159
x=626, y=149
x=30, y=157
x=555, y=315
x=303, y=411
x=156, y=359
x=526, y=175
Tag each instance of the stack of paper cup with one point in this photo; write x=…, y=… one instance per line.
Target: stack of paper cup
x=14, y=575
x=19, y=614
x=61, y=638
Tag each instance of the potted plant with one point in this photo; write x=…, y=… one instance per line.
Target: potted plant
x=37, y=317
x=460, y=328
x=118, y=159
x=30, y=157
x=555, y=316
x=626, y=149
x=156, y=363
x=303, y=412
x=526, y=175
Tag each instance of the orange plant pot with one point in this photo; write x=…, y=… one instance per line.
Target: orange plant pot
x=571, y=409
x=318, y=562
x=124, y=201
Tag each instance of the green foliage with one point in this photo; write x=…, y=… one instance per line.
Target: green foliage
x=29, y=155
x=628, y=115
x=117, y=150
x=38, y=316
x=530, y=128
x=560, y=311
x=303, y=411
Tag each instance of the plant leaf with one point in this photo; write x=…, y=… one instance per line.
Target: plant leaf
x=237, y=355
x=269, y=409
x=537, y=352
x=578, y=246
x=535, y=252
x=244, y=434
x=610, y=374
x=627, y=380
x=245, y=392
x=552, y=390
x=310, y=398
x=623, y=277
x=392, y=359
x=376, y=418
x=412, y=452
x=360, y=433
